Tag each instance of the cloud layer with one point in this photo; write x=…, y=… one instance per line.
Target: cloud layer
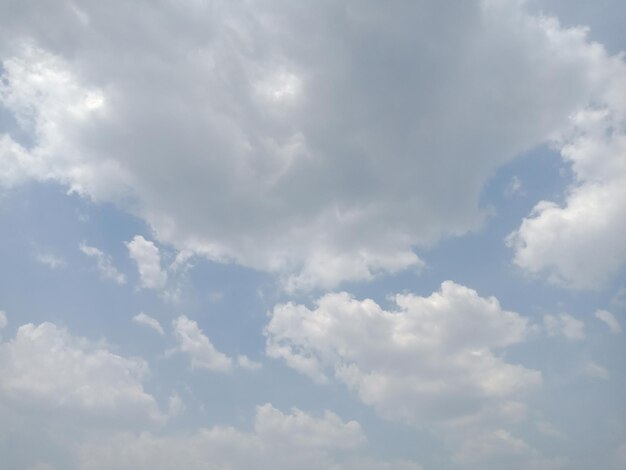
x=297, y=153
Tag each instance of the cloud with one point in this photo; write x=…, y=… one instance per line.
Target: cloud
x=609, y=320
x=430, y=359
x=51, y=260
x=579, y=243
x=319, y=160
x=246, y=363
x=104, y=262
x=148, y=259
x=279, y=441
x=303, y=430
x=45, y=368
x=3, y=319
x=192, y=341
x=148, y=321
x=487, y=445
x=564, y=325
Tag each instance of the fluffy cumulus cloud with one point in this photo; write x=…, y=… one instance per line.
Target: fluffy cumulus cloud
x=148, y=258
x=579, y=243
x=429, y=359
x=88, y=405
x=45, y=368
x=3, y=319
x=278, y=441
x=321, y=140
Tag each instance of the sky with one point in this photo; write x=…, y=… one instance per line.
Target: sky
x=316, y=235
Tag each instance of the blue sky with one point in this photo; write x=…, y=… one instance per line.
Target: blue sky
x=312, y=235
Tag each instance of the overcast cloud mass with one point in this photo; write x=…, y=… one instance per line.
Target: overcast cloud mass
x=326, y=234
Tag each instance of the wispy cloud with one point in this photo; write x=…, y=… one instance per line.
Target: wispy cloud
x=104, y=263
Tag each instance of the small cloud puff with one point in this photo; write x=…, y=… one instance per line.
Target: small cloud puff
x=564, y=325
x=148, y=321
x=148, y=258
x=609, y=320
x=51, y=260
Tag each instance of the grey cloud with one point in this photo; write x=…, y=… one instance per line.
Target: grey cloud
x=288, y=137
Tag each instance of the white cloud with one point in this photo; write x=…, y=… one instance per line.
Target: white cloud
x=148, y=321
x=278, y=441
x=47, y=100
x=324, y=269
x=45, y=368
x=609, y=319
x=148, y=259
x=3, y=319
x=51, y=260
x=251, y=143
x=195, y=343
x=579, y=244
x=431, y=359
x=104, y=262
x=303, y=430
x=564, y=325
x=246, y=363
